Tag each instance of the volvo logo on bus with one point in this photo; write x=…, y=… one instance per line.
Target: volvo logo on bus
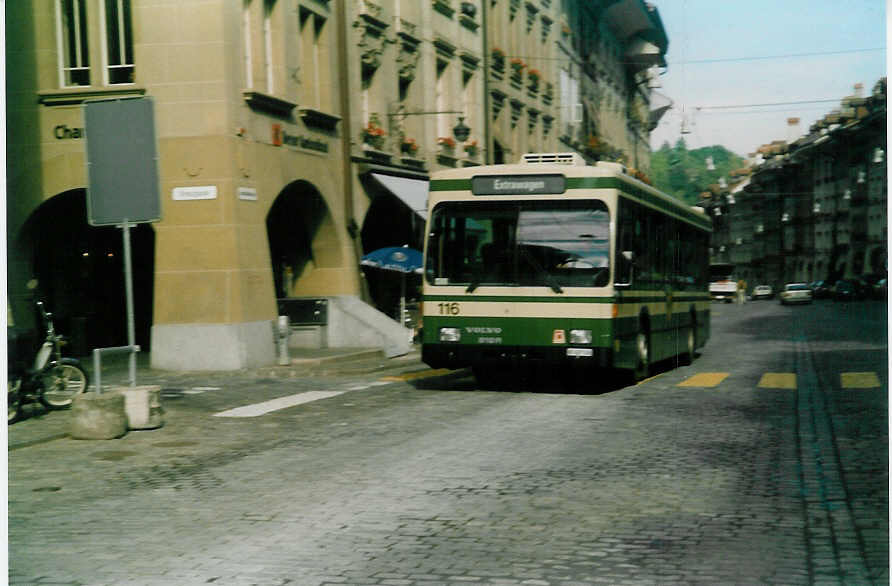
x=518, y=184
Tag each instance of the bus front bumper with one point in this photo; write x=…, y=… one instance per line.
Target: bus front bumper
x=464, y=355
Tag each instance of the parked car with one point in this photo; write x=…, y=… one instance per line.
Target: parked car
x=763, y=292
x=870, y=278
x=795, y=293
x=822, y=289
x=848, y=290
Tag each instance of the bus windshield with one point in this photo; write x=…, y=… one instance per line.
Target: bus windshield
x=534, y=243
x=721, y=272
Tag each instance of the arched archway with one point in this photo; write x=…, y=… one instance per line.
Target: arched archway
x=302, y=241
x=390, y=222
x=80, y=273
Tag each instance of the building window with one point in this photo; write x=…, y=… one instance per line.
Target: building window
x=441, y=97
x=118, y=47
x=315, y=69
x=71, y=32
x=248, y=56
x=268, y=6
x=571, y=108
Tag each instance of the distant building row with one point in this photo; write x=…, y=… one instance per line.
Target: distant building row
x=814, y=208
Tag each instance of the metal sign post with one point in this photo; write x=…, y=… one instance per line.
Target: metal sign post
x=122, y=171
x=128, y=292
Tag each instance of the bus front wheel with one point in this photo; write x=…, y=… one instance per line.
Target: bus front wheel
x=486, y=376
x=687, y=357
x=642, y=348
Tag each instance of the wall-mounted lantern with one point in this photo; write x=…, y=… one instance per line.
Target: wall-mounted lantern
x=460, y=130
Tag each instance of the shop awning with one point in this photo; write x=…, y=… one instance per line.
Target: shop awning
x=412, y=192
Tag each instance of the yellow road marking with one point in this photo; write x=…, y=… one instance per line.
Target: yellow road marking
x=778, y=380
x=416, y=375
x=859, y=380
x=704, y=379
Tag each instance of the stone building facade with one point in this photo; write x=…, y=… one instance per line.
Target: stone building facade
x=814, y=208
x=294, y=137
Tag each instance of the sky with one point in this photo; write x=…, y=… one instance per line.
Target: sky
x=733, y=53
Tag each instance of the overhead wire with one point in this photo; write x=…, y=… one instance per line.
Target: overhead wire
x=790, y=103
x=766, y=57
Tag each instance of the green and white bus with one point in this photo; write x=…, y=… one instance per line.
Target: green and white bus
x=556, y=262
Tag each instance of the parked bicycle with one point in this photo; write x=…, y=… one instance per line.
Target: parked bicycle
x=53, y=380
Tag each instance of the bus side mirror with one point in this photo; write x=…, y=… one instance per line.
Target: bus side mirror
x=625, y=269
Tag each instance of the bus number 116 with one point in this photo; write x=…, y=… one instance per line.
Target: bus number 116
x=449, y=308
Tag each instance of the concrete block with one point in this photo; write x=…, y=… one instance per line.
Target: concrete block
x=142, y=405
x=99, y=416
x=354, y=323
x=197, y=347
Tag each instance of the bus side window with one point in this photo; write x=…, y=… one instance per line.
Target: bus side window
x=644, y=259
x=625, y=241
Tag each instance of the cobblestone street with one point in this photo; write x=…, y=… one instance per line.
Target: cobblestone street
x=410, y=479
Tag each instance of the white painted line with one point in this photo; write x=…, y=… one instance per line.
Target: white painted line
x=258, y=409
x=205, y=388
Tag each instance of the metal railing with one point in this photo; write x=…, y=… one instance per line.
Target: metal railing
x=97, y=363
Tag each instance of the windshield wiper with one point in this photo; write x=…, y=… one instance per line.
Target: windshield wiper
x=549, y=278
x=473, y=285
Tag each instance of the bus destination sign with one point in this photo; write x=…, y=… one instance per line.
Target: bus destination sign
x=518, y=184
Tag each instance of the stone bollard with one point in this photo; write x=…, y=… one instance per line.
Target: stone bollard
x=142, y=405
x=98, y=416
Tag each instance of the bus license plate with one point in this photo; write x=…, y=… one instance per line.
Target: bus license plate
x=580, y=352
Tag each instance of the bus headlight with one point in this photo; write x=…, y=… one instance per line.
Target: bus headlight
x=450, y=334
x=580, y=336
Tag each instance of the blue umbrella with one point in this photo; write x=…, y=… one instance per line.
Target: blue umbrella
x=401, y=259
x=394, y=258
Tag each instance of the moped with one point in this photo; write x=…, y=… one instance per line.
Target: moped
x=52, y=380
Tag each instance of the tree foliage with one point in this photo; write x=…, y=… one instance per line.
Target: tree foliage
x=684, y=174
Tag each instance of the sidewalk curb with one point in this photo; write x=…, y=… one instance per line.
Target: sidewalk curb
x=359, y=355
